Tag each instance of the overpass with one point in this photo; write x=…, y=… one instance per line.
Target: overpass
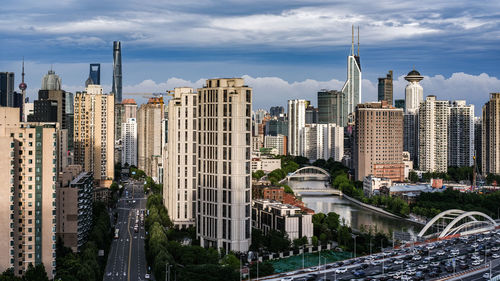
x=454, y=221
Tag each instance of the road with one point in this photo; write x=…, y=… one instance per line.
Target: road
x=127, y=257
x=430, y=261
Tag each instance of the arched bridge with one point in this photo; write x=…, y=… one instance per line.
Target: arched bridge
x=456, y=221
x=308, y=173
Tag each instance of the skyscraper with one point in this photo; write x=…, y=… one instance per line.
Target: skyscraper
x=433, y=135
x=276, y=111
x=385, y=88
x=311, y=115
x=414, y=93
x=149, y=136
x=94, y=75
x=330, y=107
x=180, y=158
x=491, y=135
x=94, y=133
x=352, y=86
x=28, y=209
x=117, y=71
x=224, y=173
x=400, y=103
x=6, y=89
x=129, y=142
x=296, y=122
x=478, y=142
x=461, y=134
x=378, y=141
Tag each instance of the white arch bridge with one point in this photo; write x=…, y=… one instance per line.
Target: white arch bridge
x=308, y=173
x=456, y=221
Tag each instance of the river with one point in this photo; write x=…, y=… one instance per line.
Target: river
x=354, y=215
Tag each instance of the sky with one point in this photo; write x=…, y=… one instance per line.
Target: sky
x=285, y=49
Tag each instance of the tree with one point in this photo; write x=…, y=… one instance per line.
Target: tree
x=413, y=176
x=265, y=268
x=314, y=241
x=231, y=261
x=36, y=273
x=258, y=174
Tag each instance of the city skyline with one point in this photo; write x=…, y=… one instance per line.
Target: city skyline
x=268, y=45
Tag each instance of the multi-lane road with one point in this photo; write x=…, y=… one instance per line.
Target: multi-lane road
x=127, y=257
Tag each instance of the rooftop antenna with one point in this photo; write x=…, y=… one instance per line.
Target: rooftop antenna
x=358, y=40
x=352, y=41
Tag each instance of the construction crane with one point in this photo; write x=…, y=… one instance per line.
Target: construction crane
x=152, y=95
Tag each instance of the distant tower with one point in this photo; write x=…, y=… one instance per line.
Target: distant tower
x=414, y=93
x=94, y=75
x=352, y=86
x=23, y=88
x=117, y=71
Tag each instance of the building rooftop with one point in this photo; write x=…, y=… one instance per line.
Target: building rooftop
x=129, y=101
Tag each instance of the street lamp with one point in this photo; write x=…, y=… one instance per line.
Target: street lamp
x=354, y=237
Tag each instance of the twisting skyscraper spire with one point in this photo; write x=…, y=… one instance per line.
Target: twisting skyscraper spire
x=117, y=71
x=352, y=87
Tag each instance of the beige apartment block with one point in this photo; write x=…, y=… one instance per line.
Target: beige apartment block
x=27, y=212
x=94, y=133
x=491, y=135
x=378, y=147
x=149, y=136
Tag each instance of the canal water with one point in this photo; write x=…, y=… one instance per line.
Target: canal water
x=354, y=215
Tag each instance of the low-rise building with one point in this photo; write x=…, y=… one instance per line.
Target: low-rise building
x=265, y=164
x=74, y=210
x=373, y=185
x=270, y=215
x=408, y=164
x=410, y=192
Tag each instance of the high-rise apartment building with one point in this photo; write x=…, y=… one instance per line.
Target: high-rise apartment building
x=378, y=141
x=278, y=142
x=478, y=142
x=433, y=135
x=414, y=93
x=28, y=209
x=352, y=86
x=491, y=135
x=311, y=115
x=410, y=135
x=224, y=170
x=296, y=122
x=129, y=142
x=322, y=141
x=330, y=107
x=94, y=133
x=461, y=134
x=117, y=71
x=385, y=88
x=149, y=136
x=180, y=158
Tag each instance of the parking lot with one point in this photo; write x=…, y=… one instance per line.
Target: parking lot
x=464, y=256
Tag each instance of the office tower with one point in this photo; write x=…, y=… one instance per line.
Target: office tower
x=478, y=142
x=279, y=142
x=414, y=93
x=399, y=103
x=410, y=136
x=6, y=89
x=433, y=135
x=385, y=88
x=276, y=111
x=149, y=136
x=70, y=118
x=461, y=134
x=352, y=86
x=311, y=115
x=378, y=148
x=330, y=107
x=296, y=122
x=74, y=206
x=180, y=158
x=322, y=141
x=28, y=172
x=277, y=126
x=129, y=142
x=93, y=137
x=94, y=75
x=117, y=71
x=224, y=142
x=491, y=135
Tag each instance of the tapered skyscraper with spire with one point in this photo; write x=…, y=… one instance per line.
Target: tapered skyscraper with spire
x=117, y=71
x=352, y=86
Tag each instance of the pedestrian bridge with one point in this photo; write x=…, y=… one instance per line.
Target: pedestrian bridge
x=308, y=173
x=454, y=221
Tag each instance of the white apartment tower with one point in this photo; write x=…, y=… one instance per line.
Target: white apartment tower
x=224, y=185
x=433, y=135
x=490, y=138
x=129, y=142
x=296, y=122
x=322, y=141
x=461, y=134
x=180, y=159
x=150, y=137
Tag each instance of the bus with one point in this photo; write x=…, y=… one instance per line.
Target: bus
x=117, y=231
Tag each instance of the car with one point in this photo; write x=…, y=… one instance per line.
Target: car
x=476, y=263
x=433, y=274
x=494, y=249
x=147, y=276
x=495, y=256
x=341, y=270
x=376, y=262
x=398, y=261
x=286, y=279
x=464, y=265
x=486, y=276
x=405, y=278
x=435, y=263
x=359, y=273
x=440, y=253
x=417, y=258
x=422, y=267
